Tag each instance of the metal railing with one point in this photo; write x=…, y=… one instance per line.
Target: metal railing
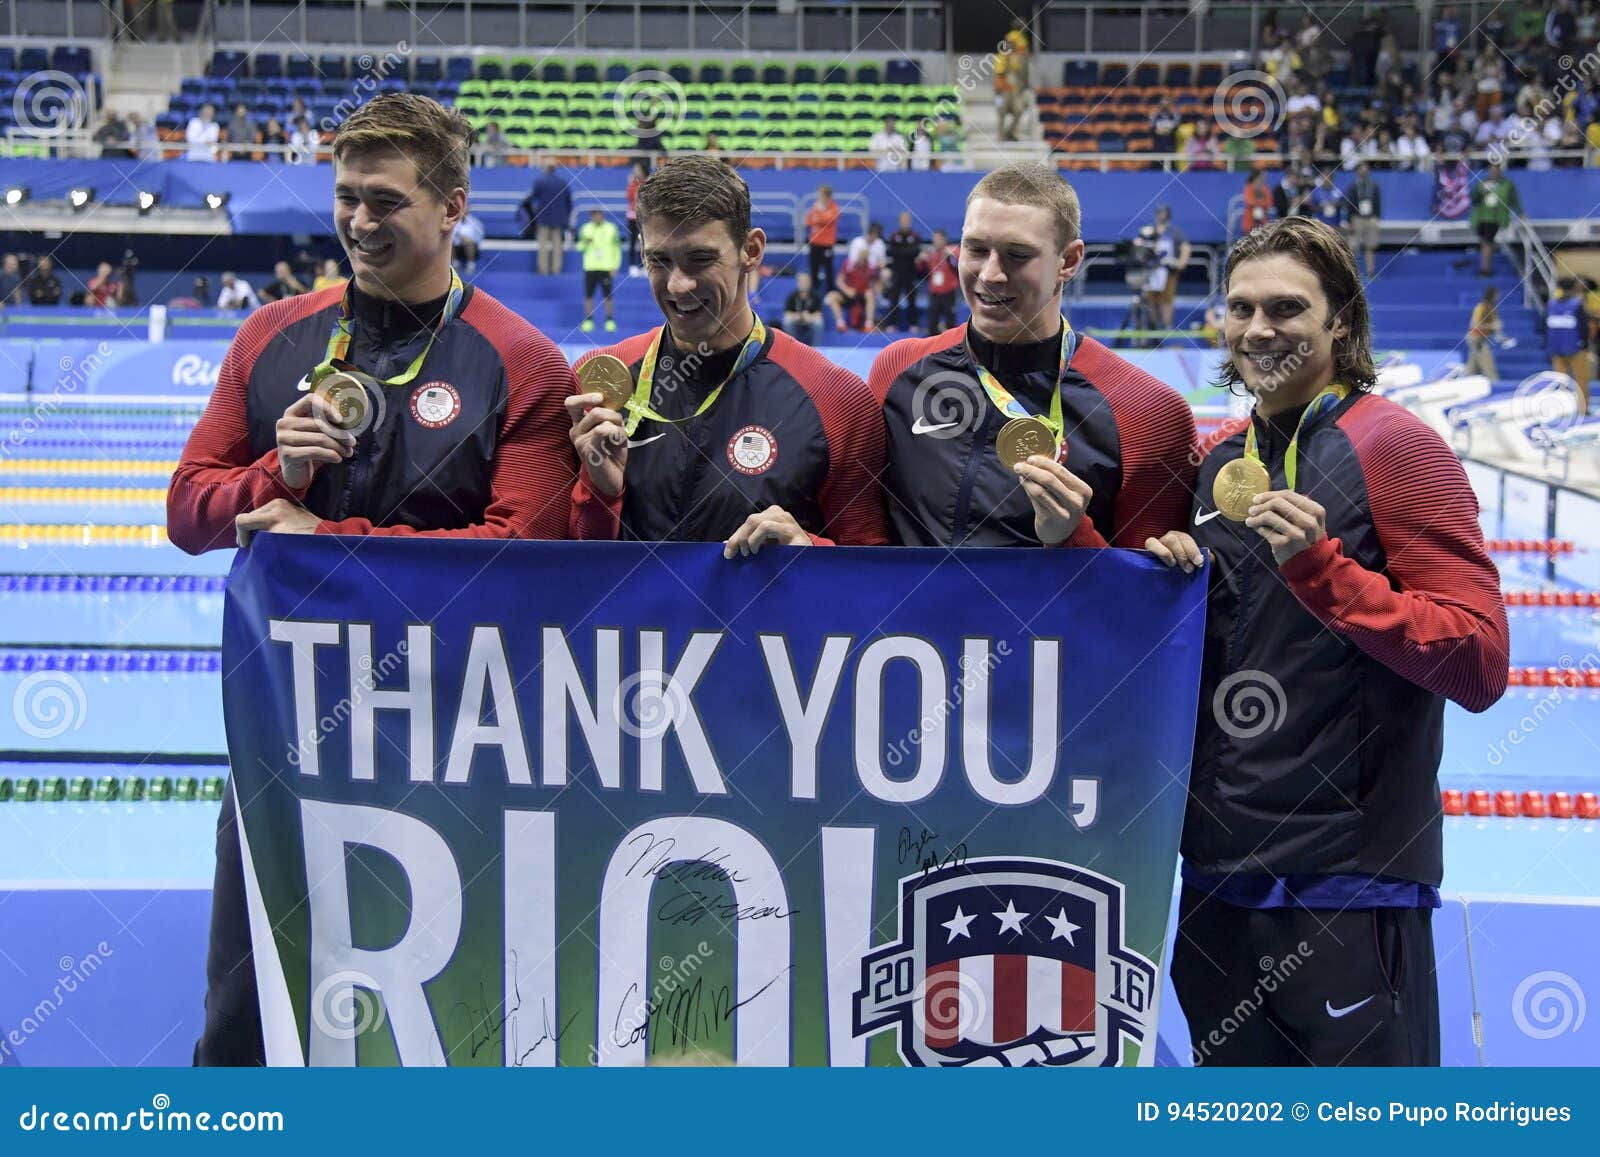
x=1537, y=265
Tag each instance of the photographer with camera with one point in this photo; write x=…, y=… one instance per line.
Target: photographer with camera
x=1171, y=251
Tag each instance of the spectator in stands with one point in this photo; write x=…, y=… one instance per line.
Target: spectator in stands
x=1327, y=202
x=1411, y=149
x=1203, y=151
x=1303, y=100
x=904, y=246
x=303, y=144
x=1484, y=327
x=1446, y=36
x=1494, y=200
x=822, y=234
x=1292, y=196
x=854, y=298
x=283, y=284
x=1365, y=202
x=468, y=237
x=888, y=147
x=600, y=243
x=713, y=144
x=1364, y=49
x=237, y=294
x=1257, y=202
x=114, y=138
x=1011, y=84
x=330, y=277
x=1489, y=81
x=1164, y=124
x=274, y=140
x=104, y=289
x=1561, y=26
x=802, y=310
x=10, y=281
x=242, y=131
x=648, y=137
x=636, y=177
x=1362, y=145
x=1495, y=130
x=941, y=275
x=1308, y=39
x=203, y=133
x=1570, y=146
x=297, y=112
x=549, y=211
x=948, y=138
x=1567, y=328
x=1240, y=150
x=144, y=140
x=43, y=286
x=921, y=148
x=493, y=146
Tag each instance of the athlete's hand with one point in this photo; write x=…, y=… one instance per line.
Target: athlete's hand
x=309, y=435
x=599, y=437
x=1290, y=522
x=1058, y=495
x=774, y=524
x=1176, y=548
x=280, y=516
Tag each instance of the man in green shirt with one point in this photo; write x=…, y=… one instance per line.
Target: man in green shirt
x=1494, y=200
x=600, y=242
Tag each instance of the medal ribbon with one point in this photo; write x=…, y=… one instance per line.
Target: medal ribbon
x=1007, y=404
x=638, y=407
x=344, y=329
x=1321, y=404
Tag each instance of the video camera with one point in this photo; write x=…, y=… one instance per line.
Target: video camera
x=1139, y=258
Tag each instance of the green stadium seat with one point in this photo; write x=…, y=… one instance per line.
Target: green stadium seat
x=805, y=74
x=681, y=71
x=586, y=70
x=773, y=73
x=523, y=68
x=743, y=72
x=474, y=87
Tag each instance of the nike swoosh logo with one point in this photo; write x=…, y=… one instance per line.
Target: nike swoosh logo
x=1206, y=517
x=634, y=444
x=303, y=384
x=1336, y=1013
x=923, y=426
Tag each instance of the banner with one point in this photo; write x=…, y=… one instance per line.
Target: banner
x=608, y=803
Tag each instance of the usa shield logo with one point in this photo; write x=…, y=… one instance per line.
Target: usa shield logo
x=1009, y=962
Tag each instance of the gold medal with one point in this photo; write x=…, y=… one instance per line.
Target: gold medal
x=609, y=377
x=350, y=394
x=1021, y=438
x=1237, y=485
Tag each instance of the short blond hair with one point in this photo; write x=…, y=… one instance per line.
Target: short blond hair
x=1035, y=184
x=436, y=139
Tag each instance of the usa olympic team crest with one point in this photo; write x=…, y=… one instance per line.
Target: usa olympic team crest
x=753, y=450
x=435, y=404
x=1011, y=963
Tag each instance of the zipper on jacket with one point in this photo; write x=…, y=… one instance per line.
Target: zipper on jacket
x=969, y=476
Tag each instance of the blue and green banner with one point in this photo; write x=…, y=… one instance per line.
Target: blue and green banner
x=533, y=804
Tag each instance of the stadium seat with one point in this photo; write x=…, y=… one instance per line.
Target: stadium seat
x=427, y=69
x=774, y=74
x=586, y=71
x=458, y=68
x=903, y=72
x=1147, y=75
x=494, y=68
x=804, y=74
x=34, y=60
x=1208, y=76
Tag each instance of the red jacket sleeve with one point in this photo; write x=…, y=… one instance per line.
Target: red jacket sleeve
x=1437, y=616
x=535, y=466
x=1159, y=451
x=851, y=500
x=217, y=479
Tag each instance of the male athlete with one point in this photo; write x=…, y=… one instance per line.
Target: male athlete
x=723, y=430
x=1013, y=429
x=1350, y=597
x=402, y=403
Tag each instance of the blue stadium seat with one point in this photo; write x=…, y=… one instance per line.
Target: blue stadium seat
x=1178, y=76
x=1147, y=75
x=34, y=60
x=427, y=68
x=902, y=72
x=1112, y=75
x=331, y=64
x=266, y=65
x=617, y=71
x=458, y=68
x=1208, y=75
x=300, y=66
x=1080, y=73
x=8, y=59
